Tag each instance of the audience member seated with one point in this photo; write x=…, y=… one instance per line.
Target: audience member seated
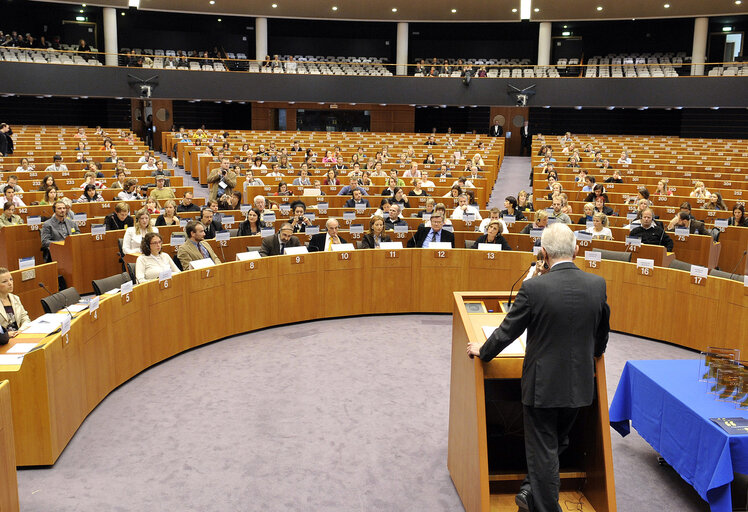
x=129, y=191
x=303, y=179
x=9, y=217
x=493, y=236
x=152, y=261
x=589, y=210
x=134, y=235
x=169, y=216
x=90, y=179
x=430, y=205
x=275, y=245
x=58, y=228
x=597, y=191
x=417, y=190
x=494, y=214
x=715, y=202
x=376, y=234
x=662, y=189
x=232, y=201
x=442, y=209
x=252, y=225
x=738, y=217
x=121, y=177
x=600, y=205
x=652, y=233
x=393, y=218
x=400, y=198
x=90, y=194
x=194, y=248
x=161, y=193
x=120, y=218
x=425, y=236
x=186, y=205
x=357, y=201
x=615, y=178
x=511, y=207
x=50, y=196
x=211, y=225
x=540, y=222
x=47, y=181
x=700, y=191
x=13, y=316
x=523, y=202
x=13, y=184
x=299, y=220
x=600, y=229
x=322, y=242
x=10, y=197
x=695, y=227
x=251, y=181
x=352, y=185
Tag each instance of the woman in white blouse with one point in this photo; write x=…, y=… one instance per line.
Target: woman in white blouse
x=600, y=229
x=152, y=261
x=134, y=235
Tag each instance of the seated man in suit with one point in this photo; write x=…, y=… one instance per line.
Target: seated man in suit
x=393, y=218
x=186, y=205
x=322, y=242
x=357, y=201
x=275, y=245
x=194, y=248
x=425, y=236
x=684, y=220
x=211, y=225
x=651, y=232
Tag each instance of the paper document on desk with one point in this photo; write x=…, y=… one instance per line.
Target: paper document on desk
x=46, y=324
x=21, y=348
x=11, y=359
x=77, y=308
x=516, y=348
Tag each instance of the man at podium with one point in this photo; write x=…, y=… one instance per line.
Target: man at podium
x=566, y=315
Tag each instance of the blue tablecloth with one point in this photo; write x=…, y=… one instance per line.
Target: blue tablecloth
x=670, y=409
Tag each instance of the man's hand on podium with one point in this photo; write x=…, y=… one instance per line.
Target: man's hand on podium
x=473, y=349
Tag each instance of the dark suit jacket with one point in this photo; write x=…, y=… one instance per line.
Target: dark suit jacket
x=351, y=203
x=317, y=242
x=368, y=241
x=423, y=231
x=567, y=320
x=496, y=131
x=525, y=139
x=271, y=245
x=499, y=240
x=697, y=228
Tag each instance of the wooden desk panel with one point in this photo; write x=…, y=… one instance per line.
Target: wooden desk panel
x=8, y=478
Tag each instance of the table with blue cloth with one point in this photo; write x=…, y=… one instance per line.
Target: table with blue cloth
x=671, y=410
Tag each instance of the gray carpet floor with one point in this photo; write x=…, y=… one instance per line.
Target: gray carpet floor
x=514, y=175
x=332, y=415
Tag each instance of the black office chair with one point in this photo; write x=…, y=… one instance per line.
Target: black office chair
x=680, y=265
x=726, y=275
x=59, y=300
x=131, y=272
x=233, y=233
x=177, y=262
x=102, y=286
x=615, y=255
x=121, y=253
x=251, y=248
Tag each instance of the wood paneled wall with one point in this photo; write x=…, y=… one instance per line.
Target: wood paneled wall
x=384, y=118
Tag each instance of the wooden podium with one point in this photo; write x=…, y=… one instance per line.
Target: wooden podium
x=486, y=441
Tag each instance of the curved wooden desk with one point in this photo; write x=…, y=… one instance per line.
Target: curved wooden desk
x=59, y=385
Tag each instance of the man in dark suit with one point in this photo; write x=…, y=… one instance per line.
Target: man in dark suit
x=566, y=317
x=275, y=245
x=427, y=235
x=357, y=201
x=322, y=242
x=684, y=220
x=496, y=130
x=211, y=225
x=6, y=141
x=525, y=138
x=651, y=232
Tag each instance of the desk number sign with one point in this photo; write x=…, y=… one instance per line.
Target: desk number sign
x=593, y=259
x=699, y=275
x=645, y=267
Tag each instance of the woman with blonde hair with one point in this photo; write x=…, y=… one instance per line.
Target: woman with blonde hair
x=700, y=191
x=600, y=229
x=134, y=235
x=376, y=234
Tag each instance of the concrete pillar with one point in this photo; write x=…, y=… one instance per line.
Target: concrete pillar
x=402, y=48
x=110, y=36
x=698, y=54
x=261, y=38
x=544, y=44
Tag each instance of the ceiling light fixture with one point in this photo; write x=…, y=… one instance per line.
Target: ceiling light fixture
x=666, y=6
x=274, y=6
x=514, y=10
x=726, y=29
x=738, y=2
x=334, y=7
x=394, y=9
x=599, y=7
x=566, y=34
x=212, y=2
x=454, y=11
x=219, y=20
x=525, y=7
x=537, y=9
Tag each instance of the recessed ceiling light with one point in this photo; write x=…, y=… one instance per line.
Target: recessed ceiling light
x=219, y=20
x=738, y=2
x=122, y=13
x=394, y=9
x=566, y=34
x=83, y=5
x=726, y=29
x=334, y=7
x=514, y=10
x=212, y=2
x=666, y=6
x=536, y=10
x=274, y=6
x=81, y=10
x=454, y=11
x=566, y=26
x=599, y=7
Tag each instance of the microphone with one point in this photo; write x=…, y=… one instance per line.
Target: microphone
x=509, y=302
x=41, y=285
x=738, y=264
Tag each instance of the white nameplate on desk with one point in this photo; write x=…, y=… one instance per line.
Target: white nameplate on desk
x=342, y=247
x=356, y=228
x=176, y=239
x=285, y=208
x=93, y=304
x=322, y=208
x=448, y=227
x=26, y=262
x=699, y=271
x=312, y=192
x=223, y=236
x=509, y=219
x=98, y=229
x=488, y=247
x=536, y=232
x=636, y=242
x=311, y=216
x=164, y=275
x=468, y=217
x=34, y=220
x=631, y=216
x=583, y=236
x=80, y=217
x=245, y=208
x=203, y=263
x=440, y=245
x=391, y=245
x=269, y=217
x=720, y=223
x=311, y=230
x=593, y=255
x=295, y=251
x=349, y=215
x=401, y=228
x=681, y=232
x=645, y=263
x=426, y=217
x=125, y=288
x=590, y=225
x=227, y=219
x=267, y=232
x=183, y=222
x=251, y=255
